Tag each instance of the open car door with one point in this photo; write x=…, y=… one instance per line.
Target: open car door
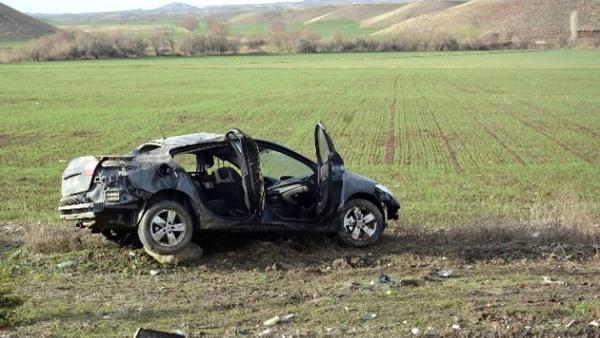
x=252, y=177
x=329, y=173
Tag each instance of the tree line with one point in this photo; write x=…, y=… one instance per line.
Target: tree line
x=216, y=40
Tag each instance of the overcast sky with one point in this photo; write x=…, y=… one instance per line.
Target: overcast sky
x=82, y=6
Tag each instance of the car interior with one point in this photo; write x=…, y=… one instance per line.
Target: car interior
x=289, y=183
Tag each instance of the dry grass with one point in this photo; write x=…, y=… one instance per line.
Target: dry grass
x=45, y=238
x=568, y=221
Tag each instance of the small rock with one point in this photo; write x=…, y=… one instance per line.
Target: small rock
x=455, y=327
x=66, y=264
x=415, y=331
x=441, y=273
x=265, y=333
x=569, y=324
x=131, y=254
x=154, y=272
x=369, y=316
x=339, y=263
x=594, y=323
x=278, y=319
x=549, y=280
x=190, y=253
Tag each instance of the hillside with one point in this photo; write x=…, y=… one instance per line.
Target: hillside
x=355, y=12
x=406, y=12
x=530, y=20
x=15, y=25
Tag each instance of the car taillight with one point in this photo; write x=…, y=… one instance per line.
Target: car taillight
x=89, y=168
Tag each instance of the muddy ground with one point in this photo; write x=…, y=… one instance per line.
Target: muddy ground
x=495, y=288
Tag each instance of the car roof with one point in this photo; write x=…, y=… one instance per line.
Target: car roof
x=188, y=140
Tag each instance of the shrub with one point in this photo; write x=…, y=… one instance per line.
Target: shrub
x=194, y=44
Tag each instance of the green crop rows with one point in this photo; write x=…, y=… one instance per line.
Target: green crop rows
x=458, y=136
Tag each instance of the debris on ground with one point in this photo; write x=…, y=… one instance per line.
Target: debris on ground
x=595, y=323
x=552, y=281
x=265, y=333
x=441, y=273
x=455, y=327
x=415, y=331
x=154, y=272
x=146, y=333
x=569, y=324
x=369, y=316
x=386, y=280
x=66, y=264
x=278, y=319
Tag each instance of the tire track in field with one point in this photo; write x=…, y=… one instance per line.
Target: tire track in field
x=449, y=150
x=551, y=138
x=540, y=130
x=390, y=145
x=580, y=128
x=513, y=154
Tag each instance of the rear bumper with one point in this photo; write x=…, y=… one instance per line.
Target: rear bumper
x=82, y=211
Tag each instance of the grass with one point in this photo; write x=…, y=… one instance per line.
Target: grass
x=458, y=136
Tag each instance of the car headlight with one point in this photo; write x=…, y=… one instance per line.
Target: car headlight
x=385, y=190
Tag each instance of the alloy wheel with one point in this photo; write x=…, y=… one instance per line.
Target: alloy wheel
x=360, y=223
x=167, y=228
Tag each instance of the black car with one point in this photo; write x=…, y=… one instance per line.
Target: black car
x=172, y=188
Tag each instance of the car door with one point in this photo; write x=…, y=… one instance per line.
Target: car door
x=329, y=173
x=252, y=178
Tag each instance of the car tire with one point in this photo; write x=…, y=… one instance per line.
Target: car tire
x=362, y=214
x=166, y=228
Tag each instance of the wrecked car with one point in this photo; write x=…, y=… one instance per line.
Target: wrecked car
x=171, y=189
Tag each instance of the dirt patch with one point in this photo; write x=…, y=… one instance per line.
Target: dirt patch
x=390, y=146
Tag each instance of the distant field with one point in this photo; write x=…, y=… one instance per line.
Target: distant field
x=458, y=136
x=11, y=45
x=348, y=28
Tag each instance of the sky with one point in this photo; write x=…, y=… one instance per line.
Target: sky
x=83, y=6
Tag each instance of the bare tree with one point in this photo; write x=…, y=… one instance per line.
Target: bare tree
x=217, y=37
x=189, y=22
x=157, y=41
x=170, y=38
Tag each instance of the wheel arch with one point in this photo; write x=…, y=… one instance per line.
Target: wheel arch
x=369, y=197
x=174, y=195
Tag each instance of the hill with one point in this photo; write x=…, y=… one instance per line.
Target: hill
x=528, y=20
x=308, y=15
x=15, y=25
x=408, y=11
x=355, y=12
x=177, y=8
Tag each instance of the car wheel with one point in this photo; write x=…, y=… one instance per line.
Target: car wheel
x=166, y=228
x=360, y=223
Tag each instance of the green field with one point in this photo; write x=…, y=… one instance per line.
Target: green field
x=470, y=142
x=458, y=136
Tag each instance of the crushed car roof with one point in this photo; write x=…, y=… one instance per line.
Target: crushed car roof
x=188, y=140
